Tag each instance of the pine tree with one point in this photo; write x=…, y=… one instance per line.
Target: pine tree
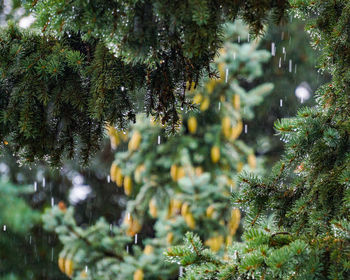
x=176, y=183
x=307, y=237
x=89, y=62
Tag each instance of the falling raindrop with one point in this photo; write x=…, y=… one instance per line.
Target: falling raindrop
x=280, y=62
x=35, y=186
x=122, y=88
x=231, y=188
x=219, y=105
x=181, y=271
x=30, y=239
x=248, y=37
x=127, y=249
x=129, y=216
x=290, y=66
x=239, y=39
x=295, y=68
x=108, y=178
x=158, y=139
x=44, y=182
x=86, y=268
x=273, y=49
x=234, y=55
x=52, y=201
x=136, y=238
x=245, y=128
x=281, y=102
x=226, y=75
x=4, y=228
x=52, y=254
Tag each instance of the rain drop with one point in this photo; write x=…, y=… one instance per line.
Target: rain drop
x=281, y=102
x=273, y=49
x=181, y=271
x=290, y=66
x=35, y=186
x=245, y=128
x=108, y=178
x=136, y=238
x=4, y=228
x=226, y=75
x=44, y=182
x=158, y=139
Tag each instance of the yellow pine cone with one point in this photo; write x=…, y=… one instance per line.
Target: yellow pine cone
x=115, y=141
x=138, y=173
x=226, y=127
x=127, y=185
x=237, y=130
x=68, y=267
x=185, y=209
x=119, y=177
x=197, y=98
x=138, y=274
x=192, y=86
x=236, y=101
x=153, y=208
x=61, y=264
x=234, y=221
x=173, y=172
x=215, y=154
x=133, y=225
x=215, y=243
x=135, y=141
x=113, y=171
x=252, y=161
x=170, y=237
x=192, y=124
x=174, y=207
x=210, y=85
x=205, y=104
x=180, y=172
x=221, y=68
x=148, y=250
x=189, y=219
x=210, y=211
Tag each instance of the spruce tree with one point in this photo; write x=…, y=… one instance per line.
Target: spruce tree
x=297, y=220
x=177, y=183
x=88, y=62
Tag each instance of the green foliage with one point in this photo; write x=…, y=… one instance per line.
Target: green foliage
x=177, y=183
x=308, y=189
x=93, y=57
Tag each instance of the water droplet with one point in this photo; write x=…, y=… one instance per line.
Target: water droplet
x=290, y=66
x=44, y=182
x=129, y=216
x=273, y=49
x=52, y=201
x=108, y=178
x=35, y=186
x=281, y=102
x=136, y=238
x=158, y=139
x=127, y=249
x=219, y=105
x=245, y=128
x=280, y=62
x=4, y=228
x=226, y=75
x=239, y=39
x=181, y=271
